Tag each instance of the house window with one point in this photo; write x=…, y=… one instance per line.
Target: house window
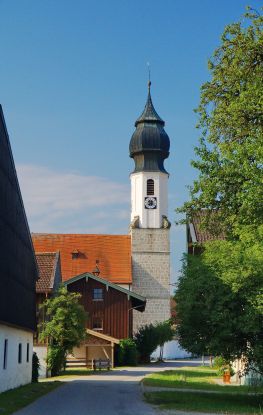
x=150, y=187
x=97, y=294
x=97, y=323
x=27, y=352
x=5, y=354
x=75, y=254
x=20, y=353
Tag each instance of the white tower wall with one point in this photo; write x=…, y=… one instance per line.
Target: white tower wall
x=149, y=218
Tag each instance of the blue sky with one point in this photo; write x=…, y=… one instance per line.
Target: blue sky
x=73, y=79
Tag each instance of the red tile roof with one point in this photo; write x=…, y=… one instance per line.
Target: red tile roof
x=112, y=251
x=47, y=263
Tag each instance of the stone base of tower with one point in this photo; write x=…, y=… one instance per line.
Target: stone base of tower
x=151, y=274
x=156, y=310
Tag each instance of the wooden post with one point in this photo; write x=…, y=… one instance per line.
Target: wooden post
x=112, y=355
x=87, y=354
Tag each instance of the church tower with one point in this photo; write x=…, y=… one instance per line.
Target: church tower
x=150, y=233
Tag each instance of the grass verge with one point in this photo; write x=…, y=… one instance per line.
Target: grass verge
x=207, y=402
x=15, y=399
x=202, y=378
x=78, y=372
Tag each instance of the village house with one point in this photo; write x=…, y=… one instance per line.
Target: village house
x=49, y=279
x=18, y=274
x=99, y=268
x=109, y=310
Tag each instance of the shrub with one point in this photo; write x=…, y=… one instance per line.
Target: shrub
x=127, y=353
x=35, y=367
x=146, y=340
x=165, y=333
x=56, y=359
x=222, y=365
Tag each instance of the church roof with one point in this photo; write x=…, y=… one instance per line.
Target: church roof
x=149, y=113
x=149, y=144
x=47, y=263
x=79, y=253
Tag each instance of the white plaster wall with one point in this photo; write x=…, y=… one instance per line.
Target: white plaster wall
x=41, y=352
x=96, y=352
x=15, y=374
x=149, y=218
x=171, y=350
x=79, y=352
x=126, y=286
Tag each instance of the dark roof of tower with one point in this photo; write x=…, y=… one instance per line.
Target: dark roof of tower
x=149, y=113
x=150, y=144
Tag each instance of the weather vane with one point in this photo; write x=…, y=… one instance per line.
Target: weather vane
x=149, y=75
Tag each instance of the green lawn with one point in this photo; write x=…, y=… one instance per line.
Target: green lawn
x=17, y=398
x=202, y=378
x=207, y=402
x=72, y=372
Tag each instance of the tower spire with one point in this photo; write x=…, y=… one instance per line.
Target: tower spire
x=149, y=78
x=149, y=113
x=149, y=145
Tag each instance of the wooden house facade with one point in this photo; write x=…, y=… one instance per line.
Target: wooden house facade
x=109, y=310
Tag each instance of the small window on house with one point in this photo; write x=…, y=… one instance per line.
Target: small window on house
x=5, y=354
x=27, y=352
x=20, y=353
x=97, y=294
x=97, y=323
x=75, y=254
x=150, y=187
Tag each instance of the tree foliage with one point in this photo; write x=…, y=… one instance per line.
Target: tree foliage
x=35, y=367
x=150, y=336
x=219, y=308
x=127, y=354
x=230, y=153
x=219, y=297
x=165, y=333
x=64, y=327
x=146, y=340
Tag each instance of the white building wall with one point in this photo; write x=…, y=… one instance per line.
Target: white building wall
x=149, y=218
x=41, y=352
x=15, y=374
x=171, y=350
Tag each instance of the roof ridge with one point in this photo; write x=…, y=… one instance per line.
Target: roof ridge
x=79, y=234
x=47, y=253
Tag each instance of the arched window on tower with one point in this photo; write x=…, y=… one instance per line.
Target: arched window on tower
x=150, y=187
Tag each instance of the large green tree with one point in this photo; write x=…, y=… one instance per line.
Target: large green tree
x=219, y=297
x=230, y=154
x=220, y=300
x=64, y=327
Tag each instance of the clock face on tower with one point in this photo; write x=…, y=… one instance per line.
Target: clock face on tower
x=150, y=202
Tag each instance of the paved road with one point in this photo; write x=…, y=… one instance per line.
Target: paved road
x=117, y=392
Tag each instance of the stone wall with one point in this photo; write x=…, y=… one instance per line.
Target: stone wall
x=151, y=273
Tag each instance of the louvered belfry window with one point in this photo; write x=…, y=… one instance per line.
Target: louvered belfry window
x=150, y=187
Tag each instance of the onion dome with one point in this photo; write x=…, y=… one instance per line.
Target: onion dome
x=149, y=145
